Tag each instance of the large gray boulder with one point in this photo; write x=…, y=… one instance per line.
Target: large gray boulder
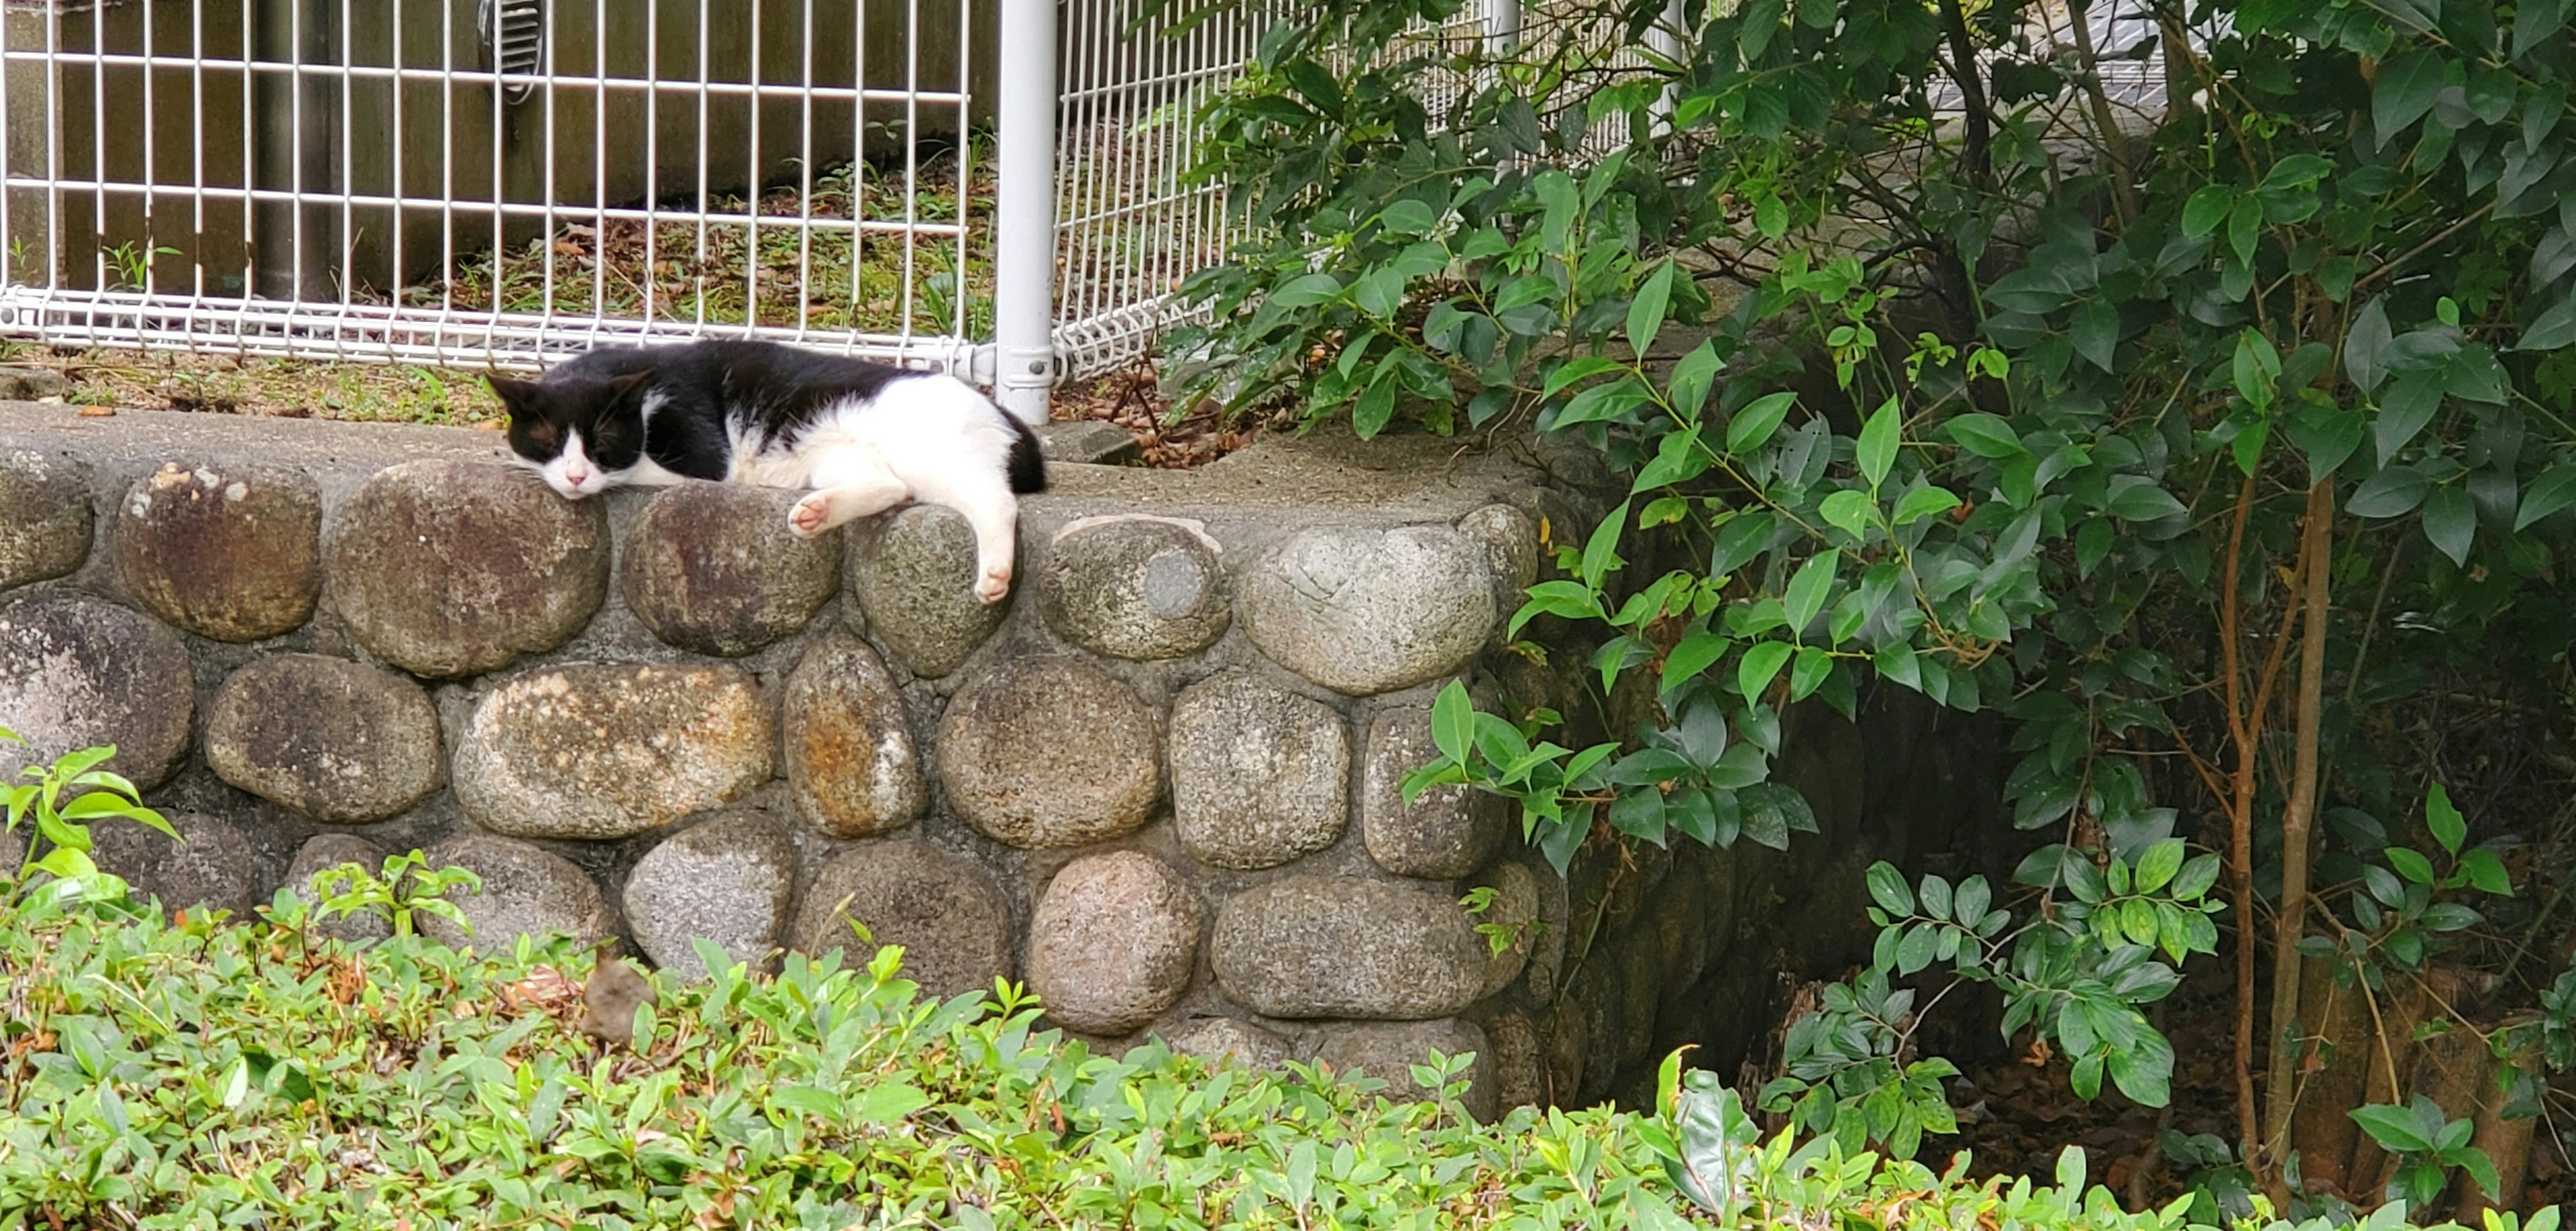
x=1260, y=776
x=1388, y=1051
x=1134, y=587
x=78, y=673
x=211, y=864
x=1447, y=831
x=1344, y=946
x=946, y=913
x=45, y=517
x=727, y=881
x=712, y=567
x=1114, y=942
x=912, y=572
x=1049, y=752
x=449, y=568
x=1215, y=1039
x=851, y=761
x=527, y=891
x=337, y=741
x=609, y=750
x=1361, y=610
x=231, y=552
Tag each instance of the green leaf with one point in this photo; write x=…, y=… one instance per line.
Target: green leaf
x=2534, y=21
x=2450, y=522
x=887, y=1102
x=1694, y=655
x=1986, y=435
x=1375, y=407
x=1752, y=426
x=1808, y=670
x=2327, y=436
x=2407, y=407
x=2159, y=865
x=1601, y=551
x=2206, y=209
x=2137, y=498
x=1875, y=453
x=2245, y=229
x=2552, y=329
x=1646, y=311
x=2095, y=331
x=1577, y=370
x=1453, y=722
x=2486, y=872
x=1692, y=378
x=2394, y=1128
x=2410, y=865
x=2257, y=366
x=1887, y=887
x=1850, y=510
x=2389, y=493
x=1307, y=290
x=1759, y=665
x=2365, y=348
x=1808, y=588
x=2555, y=489
x=2448, y=826
x=2406, y=89
x=1923, y=502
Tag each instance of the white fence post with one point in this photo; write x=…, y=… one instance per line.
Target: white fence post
x=1502, y=27
x=1024, y=212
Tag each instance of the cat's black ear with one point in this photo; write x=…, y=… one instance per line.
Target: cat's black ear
x=513, y=393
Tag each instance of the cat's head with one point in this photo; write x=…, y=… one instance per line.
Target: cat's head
x=582, y=434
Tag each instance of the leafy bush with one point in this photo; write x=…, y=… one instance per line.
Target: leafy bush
x=49, y=814
x=2217, y=448
x=206, y=1073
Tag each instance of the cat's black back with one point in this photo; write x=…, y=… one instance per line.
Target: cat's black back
x=713, y=393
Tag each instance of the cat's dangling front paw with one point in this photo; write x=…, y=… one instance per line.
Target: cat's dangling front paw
x=811, y=516
x=994, y=585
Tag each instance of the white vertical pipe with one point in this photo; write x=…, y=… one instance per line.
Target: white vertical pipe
x=1502, y=26
x=1665, y=37
x=1024, y=211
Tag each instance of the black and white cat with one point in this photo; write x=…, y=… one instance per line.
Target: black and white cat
x=862, y=437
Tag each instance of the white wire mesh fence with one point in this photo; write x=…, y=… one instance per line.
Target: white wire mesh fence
x=479, y=181
x=488, y=182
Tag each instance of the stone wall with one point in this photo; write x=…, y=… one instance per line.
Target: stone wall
x=1158, y=784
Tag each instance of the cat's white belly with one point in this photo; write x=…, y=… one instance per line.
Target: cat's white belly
x=649, y=473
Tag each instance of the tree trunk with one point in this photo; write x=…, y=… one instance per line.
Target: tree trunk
x=2316, y=545
x=2507, y=1144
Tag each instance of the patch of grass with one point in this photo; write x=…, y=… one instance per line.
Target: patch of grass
x=284, y=388
x=767, y=268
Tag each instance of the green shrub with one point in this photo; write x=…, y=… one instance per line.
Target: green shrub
x=206, y=1073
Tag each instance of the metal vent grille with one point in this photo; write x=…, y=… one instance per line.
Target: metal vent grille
x=514, y=39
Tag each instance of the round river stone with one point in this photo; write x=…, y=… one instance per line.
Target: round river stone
x=947, y=914
x=727, y=881
x=449, y=568
x=45, y=517
x=1361, y=610
x=1050, y=752
x=712, y=567
x=1114, y=942
x=230, y=552
x=851, y=762
x=334, y=740
x=609, y=750
x=913, y=573
x=526, y=891
x=1343, y=946
x=1259, y=776
x=1134, y=587
x=78, y=673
